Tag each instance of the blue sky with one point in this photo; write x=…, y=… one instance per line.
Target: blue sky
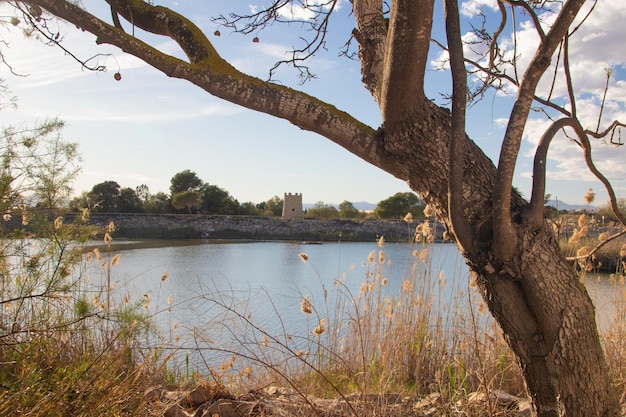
x=147, y=127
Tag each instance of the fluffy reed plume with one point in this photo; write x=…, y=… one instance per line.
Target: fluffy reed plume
x=165, y=275
x=582, y=220
x=622, y=251
x=107, y=238
x=111, y=227
x=58, y=222
x=603, y=237
x=582, y=251
x=590, y=196
x=429, y=211
x=84, y=214
x=304, y=257
x=321, y=327
x=116, y=259
x=408, y=218
x=305, y=305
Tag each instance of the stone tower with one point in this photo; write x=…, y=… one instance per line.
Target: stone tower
x=292, y=206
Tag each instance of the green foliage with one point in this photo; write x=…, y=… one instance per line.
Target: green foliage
x=129, y=201
x=105, y=197
x=271, y=207
x=605, y=212
x=37, y=168
x=348, y=211
x=65, y=349
x=398, y=205
x=185, y=181
x=322, y=211
x=157, y=203
x=216, y=200
x=186, y=200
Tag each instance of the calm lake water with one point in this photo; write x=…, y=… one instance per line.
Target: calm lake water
x=191, y=287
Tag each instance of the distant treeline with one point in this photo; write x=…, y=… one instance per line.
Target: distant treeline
x=190, y=194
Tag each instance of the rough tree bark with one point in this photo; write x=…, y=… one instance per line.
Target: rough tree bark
x=531, y=290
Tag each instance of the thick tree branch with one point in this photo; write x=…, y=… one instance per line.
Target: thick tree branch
x=371, y=34
x=409, y=34
x=504, y=234
x=210, y=72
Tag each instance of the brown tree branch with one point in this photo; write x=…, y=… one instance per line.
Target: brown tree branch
x=371, y=34
x=410, y=25
x=529, y=10
x=456, y=212
x=213, y=74
x=504, y=234
x=535, y=210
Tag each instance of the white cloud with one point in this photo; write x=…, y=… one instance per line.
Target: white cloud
x=472, y=7
x=306, y=11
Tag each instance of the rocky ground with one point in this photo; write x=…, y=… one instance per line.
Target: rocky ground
x=207, y=401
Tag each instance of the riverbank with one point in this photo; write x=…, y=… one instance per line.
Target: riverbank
x=185, y=226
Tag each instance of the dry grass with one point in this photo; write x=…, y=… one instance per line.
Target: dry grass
x=410, y=342
x=68, y=347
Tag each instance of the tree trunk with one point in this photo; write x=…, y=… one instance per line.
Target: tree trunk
x=544, y=311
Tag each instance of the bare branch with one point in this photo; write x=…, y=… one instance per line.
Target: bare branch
x=460, y=226
x=317, y=23
x=502, y=223
x=592, y=252
x=533, y=15
x=535, y=210
x=40, y=24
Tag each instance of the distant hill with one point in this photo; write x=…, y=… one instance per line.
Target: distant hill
x=561, y=205
x=570, y=207
x=359, y=205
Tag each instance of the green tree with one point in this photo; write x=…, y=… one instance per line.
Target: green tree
x=348, y=211
x=322, y=211
x=249, y=209
x=105, y=196
x=129, y=201
x=216, y=200
x=398, y=205
x=271, y=207
x=143, y=193
x=185, y=181
x=544, y=311
x=187, y=200
x=45, y=293
x=37, y=169
x=158, y=203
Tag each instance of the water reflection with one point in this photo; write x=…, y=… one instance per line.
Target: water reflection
x=266, y=281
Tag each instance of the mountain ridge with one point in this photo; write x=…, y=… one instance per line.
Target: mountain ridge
x=558, y=204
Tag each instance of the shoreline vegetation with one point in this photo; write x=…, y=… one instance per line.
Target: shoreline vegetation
x=71, y=347
x=161, y=229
